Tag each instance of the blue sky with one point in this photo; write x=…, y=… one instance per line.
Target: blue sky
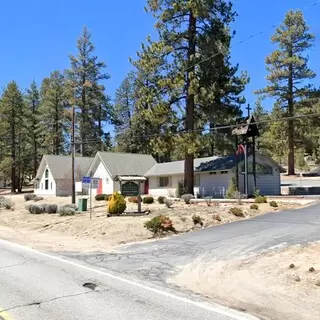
x=38, y=36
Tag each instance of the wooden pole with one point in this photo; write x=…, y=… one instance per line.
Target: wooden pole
x=254, y=163
x=72, y=157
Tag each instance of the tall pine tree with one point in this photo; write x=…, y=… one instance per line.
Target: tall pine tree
x=189, y=73
x=13, y=112
x=33, y=102
x=85, y=82
x=289, y=72
x=52, y=120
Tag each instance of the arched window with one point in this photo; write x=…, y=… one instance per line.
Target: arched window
x=46, y=179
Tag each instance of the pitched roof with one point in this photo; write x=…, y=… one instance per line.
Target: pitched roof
x=201, y=165
x=126, y=164
x=174, y=167
x=60, y=166
x=219, y=163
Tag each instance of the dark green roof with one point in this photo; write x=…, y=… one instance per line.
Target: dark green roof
x=221, y=163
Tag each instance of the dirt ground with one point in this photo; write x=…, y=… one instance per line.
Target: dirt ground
x=264, y=285
x=79, y=233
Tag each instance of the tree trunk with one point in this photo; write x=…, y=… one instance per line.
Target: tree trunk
x=84, y=123
x=56, y=130
x=13, y=151
x=19, y=166
x=291, y=170
x=190, y=103
x=35, y=144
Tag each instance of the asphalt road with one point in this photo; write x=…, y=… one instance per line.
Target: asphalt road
x=303, y=182
x=37, y=286
x=156, y=261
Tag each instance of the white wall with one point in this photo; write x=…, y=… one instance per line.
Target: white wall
x=214, y=185
x=268, y=184
x=107, y=182
x=40, y=185
x=170, y=191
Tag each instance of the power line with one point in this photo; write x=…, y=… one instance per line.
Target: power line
x=220, y=127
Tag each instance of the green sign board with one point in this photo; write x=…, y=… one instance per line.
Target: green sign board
x=130, y=189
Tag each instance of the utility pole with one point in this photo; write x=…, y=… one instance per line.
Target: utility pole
x=73, y=148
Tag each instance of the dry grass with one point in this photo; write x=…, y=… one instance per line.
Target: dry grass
x=101, y=233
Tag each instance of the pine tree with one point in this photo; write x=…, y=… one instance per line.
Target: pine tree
x=52, y=120
x=33, y=102
x=12, y=110
x=123, y=112
x=288, y=71
x=184, y=70
x=87, y=93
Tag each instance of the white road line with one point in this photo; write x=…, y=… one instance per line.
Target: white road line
x=220, y=310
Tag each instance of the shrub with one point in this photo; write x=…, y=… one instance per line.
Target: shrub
x=197, y=220
x=117, y=204
x=254, y=207
x=8, y=204
x=148, y=200
x=180, y=189
x=66, y=211
x=168, y=203
x=29, y=196
x=187, y=198
x=260, y=199
x=37, y=198
x=237, y=212
x=36, y=209
x=102, y=197
x=232, y=190
x=161, y=199
x=273, y=204
x=256, y=193
x=208, y=201
x=51, y=208
x=159, y=225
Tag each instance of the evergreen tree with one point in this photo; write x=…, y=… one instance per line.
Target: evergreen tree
x=87, y=93
x=123, y=112
x=188, y=73
x=288, y=71
x=52, y=120
x=33, y=102
x=13, y=111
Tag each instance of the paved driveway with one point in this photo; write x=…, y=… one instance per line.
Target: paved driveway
x=157, y=260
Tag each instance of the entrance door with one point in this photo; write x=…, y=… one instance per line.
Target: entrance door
x=146, y=187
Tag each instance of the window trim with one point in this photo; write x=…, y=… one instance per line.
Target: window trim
x=164, y=186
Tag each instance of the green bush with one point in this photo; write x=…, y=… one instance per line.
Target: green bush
x=51, y=208
x=180, y=189
x=168, y=202
x=65, y=212
x=273, y=204
x=237, y=212
x=117, y=204
x=148, y=200
x=29, y=196
x=161, y=199
x=260, y=199
x=159, y=225
x=102, y=197
x=187, y=198
x=197, y=220
x=232, y=190
x=36, y=209
x=254, y=207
